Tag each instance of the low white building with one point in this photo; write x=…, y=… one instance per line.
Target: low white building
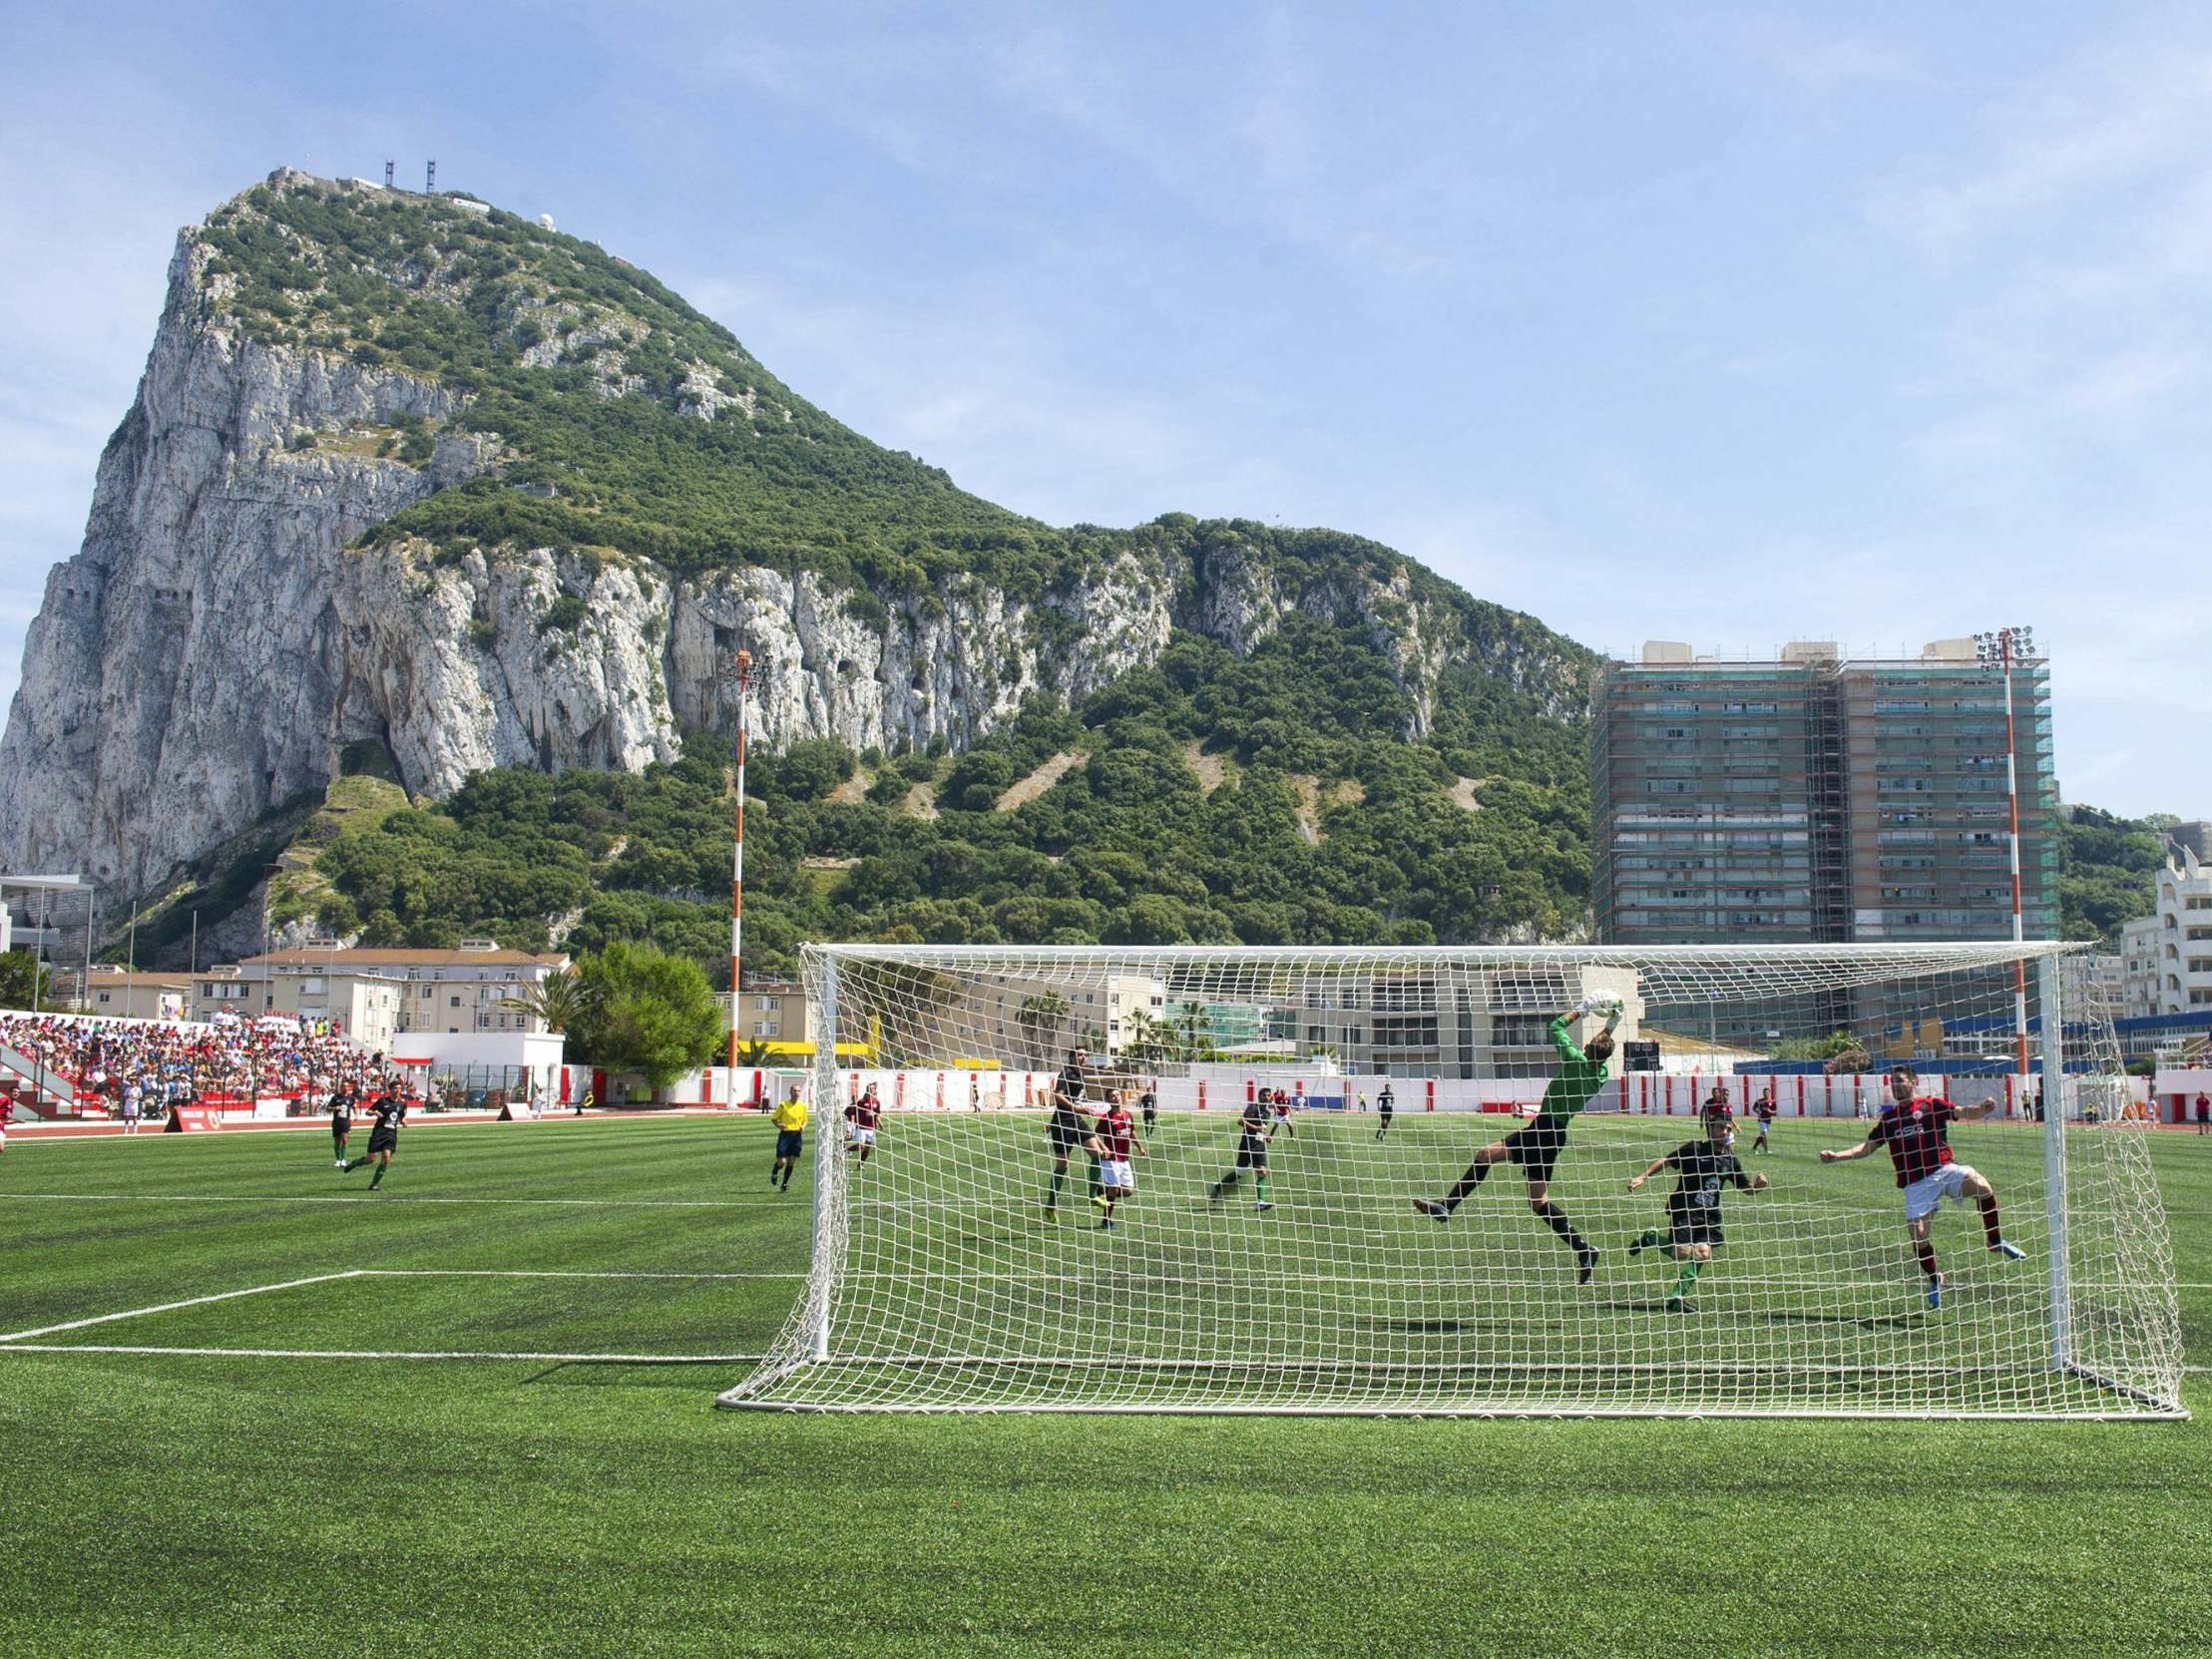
x=124, y=996
x=485, y=1060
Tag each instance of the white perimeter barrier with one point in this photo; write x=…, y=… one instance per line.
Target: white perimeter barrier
x=1645, y=1094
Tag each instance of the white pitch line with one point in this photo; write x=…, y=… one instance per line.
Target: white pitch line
x=326, y=1199
x=384, y=1354
x=549, y=1272
x=545, y=1272
x=171, y=1307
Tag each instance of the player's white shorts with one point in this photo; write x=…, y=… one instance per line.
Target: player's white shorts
x=859, y=1138
x=1922, y=1197
x=1115, y=1172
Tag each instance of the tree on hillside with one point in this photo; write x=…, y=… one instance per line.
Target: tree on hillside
x=645, y=1011
x=1815, y=1048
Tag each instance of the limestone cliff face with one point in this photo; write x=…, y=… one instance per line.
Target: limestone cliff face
x=219, y=638
x=185, y=666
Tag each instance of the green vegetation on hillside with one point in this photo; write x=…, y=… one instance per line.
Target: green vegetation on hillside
x=2106, y=867
x=1127, y=847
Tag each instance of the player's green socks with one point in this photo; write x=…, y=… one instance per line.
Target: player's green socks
x=1262, y=1189
x=1051, y=1198
x=1685, y=1279
x=376, y=1180
x=1098, y=1179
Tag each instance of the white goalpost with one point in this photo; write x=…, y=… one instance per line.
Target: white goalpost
x=1325, y=1258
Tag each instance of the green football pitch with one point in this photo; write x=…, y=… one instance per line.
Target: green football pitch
x=213, y=1439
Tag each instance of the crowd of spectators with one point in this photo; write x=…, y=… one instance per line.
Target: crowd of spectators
x=175, y=1064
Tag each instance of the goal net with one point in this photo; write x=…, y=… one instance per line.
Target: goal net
x=1281, y=1243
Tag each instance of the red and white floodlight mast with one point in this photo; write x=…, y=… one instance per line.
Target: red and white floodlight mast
x=738, y=874
x=2001, y=646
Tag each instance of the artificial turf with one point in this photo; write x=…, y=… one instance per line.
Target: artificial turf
x=178, y=1504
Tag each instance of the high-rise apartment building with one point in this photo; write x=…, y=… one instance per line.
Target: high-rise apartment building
x=1818, y=798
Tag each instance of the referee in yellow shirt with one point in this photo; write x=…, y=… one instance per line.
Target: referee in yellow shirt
x=791, y=1137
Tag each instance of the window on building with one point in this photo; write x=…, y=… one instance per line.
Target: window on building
x=453, y=1002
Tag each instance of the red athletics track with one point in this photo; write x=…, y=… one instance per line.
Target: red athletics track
x=39, y=1131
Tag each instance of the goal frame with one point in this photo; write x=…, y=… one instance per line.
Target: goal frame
x=807, y=1339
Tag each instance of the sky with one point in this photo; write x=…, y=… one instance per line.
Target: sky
x=1876, y=324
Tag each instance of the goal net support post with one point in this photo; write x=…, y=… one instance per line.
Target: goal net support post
x=1413, y=1181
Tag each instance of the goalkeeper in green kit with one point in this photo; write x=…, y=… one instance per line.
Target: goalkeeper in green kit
x=1537, y=1146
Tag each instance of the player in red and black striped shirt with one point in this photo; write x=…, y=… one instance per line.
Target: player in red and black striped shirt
x=1916, y=1128
x=861, y=1118
x=1116, y=1137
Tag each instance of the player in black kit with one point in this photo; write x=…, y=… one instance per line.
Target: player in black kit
x=1701, y=1169
x=1071, y=1127
x=383, y=1138
x=342, y=1123
x=1386, y=1107
x=1251, y=1153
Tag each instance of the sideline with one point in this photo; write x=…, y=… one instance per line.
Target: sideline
x=36, y=1131
x=384, y=1354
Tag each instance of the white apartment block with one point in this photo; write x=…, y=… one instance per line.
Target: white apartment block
x=2184, y=937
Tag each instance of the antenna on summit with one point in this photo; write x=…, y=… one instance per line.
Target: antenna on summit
x=389, y=166
x=430, y=178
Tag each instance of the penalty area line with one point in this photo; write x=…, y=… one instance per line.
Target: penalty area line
x=14, y=1337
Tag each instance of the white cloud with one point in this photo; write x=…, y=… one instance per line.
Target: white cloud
x=1825, y=65
x=2100, y=127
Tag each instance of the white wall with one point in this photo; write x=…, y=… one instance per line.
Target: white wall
x=540, y=1051
x=2184, y=1084
x=1225, y=1088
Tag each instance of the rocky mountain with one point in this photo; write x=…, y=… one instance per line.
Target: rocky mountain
x=412, y=476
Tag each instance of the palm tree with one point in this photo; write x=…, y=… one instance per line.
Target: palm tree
x=755, y=1052
x=557, y=1001
x=1040, y=1018
x=1194, y=1031
x=1141, y=1037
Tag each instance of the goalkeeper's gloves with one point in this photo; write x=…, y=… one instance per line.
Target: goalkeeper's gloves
x=1599, y=1003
